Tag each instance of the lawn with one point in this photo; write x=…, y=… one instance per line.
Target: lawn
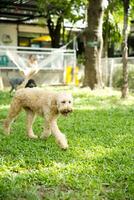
x=99, y=164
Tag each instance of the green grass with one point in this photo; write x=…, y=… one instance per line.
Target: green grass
x=99, y=164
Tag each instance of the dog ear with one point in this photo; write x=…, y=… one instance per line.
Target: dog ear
x=53, y=105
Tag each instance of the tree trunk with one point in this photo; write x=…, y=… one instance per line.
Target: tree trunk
x=1, y=82
x=55, y=31
x=125, y=50
x=105, y=50
x=106, y=35
x=94, y=43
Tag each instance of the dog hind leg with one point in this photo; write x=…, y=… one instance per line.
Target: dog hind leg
x=47, y=130
x=30, y=121
x=11, y=89
x=13, y=112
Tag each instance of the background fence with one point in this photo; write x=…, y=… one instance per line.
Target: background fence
x=52, y=63
x=57, y=66
x=112, y=66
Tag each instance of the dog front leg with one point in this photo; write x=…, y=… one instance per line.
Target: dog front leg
x=60, y=137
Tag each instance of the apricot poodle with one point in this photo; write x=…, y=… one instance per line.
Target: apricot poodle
x=49, y=105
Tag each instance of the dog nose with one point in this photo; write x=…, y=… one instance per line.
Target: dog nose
x=71, y=110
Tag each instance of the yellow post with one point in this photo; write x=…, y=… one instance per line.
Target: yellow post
x=68, y=76
x=76, y=77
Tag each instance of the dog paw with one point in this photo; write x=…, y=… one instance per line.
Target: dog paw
x=33, y=136
x=62, y=142
x=6, y=132
x=45, y=136
x=64, y=146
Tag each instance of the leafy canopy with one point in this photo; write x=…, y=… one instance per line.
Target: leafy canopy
x=67, y=9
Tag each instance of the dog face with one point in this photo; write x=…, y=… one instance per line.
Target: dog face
x=65, y=103
x=31, y=83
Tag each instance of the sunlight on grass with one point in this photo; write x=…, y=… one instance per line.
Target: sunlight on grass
x=4, y=106
x=97, y=152
x=100, y=99
x=98, y=164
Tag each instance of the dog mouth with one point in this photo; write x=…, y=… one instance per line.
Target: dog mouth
x=65, y=112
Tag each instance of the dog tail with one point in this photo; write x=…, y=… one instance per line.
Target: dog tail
x=29, y=75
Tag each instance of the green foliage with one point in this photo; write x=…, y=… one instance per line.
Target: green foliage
x=55, y=12
x=98, y=165
x=68, y=9
x=113, y=28
x=113, y=21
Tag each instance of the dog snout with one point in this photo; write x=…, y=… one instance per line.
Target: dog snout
x=66, y=111
x=70, y=110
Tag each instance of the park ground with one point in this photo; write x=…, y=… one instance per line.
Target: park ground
x=99, y=164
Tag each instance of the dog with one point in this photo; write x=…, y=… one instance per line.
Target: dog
x=31, y=83
x=15, y=82
x=44, y=103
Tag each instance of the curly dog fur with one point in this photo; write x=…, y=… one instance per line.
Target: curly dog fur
x=49, y=105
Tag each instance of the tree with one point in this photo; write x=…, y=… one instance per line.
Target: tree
x=55, y=12
x=125, y=50
x=122, y=12
x=119, y=10
x=112, y=27
x=94, y=43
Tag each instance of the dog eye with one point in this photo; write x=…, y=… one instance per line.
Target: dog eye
x=69, y=102
x=63, y=102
